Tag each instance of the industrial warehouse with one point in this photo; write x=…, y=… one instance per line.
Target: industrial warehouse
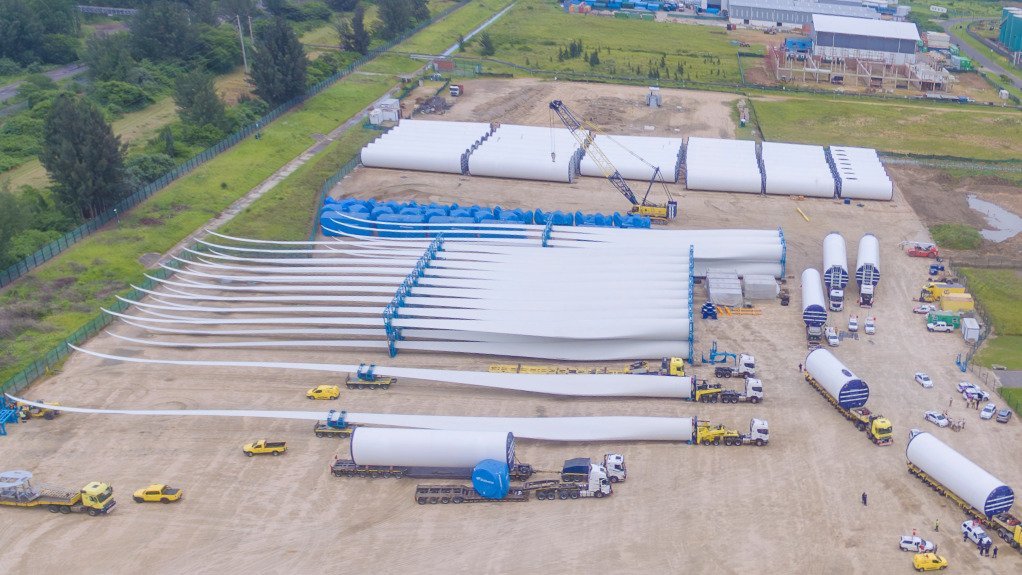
x=568, y=295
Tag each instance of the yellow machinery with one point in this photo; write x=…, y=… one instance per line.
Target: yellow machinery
x=30, y=411
x=585, y=134
x=933, y=291
x=877, y=427
x=18, y=490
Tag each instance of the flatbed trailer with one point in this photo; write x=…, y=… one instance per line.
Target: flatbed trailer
x=348, y=468
x=1007, y=526
x=16, y=490
x=322, y=429
x=863, y=418
x=545, y=490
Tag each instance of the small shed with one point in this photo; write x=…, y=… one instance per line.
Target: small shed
x=390, y=109
x=761, y=287
x=724, y=288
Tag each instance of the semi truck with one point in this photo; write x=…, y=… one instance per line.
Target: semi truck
x=814, y=307
x=978, y=493
x=758, y=435
x=867, y=269
x=835, y=270
x=18, y=490
x=933, y=291
x=593, y=483
x=745, y=366
x=847, y=393
x=753, y=393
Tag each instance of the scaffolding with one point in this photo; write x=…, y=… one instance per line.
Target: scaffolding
x=875, y=75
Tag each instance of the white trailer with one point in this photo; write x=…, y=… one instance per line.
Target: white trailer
x=835, y=269
x=867, y=269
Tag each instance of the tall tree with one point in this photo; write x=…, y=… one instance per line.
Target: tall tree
x=197, y=101
x=395, y=17
x=108, y=56
x=232, y=8
x=420, y=10
x=354, y=36
x=83, y=156
x=486, y=47
x=278, y=68
x=342, y=5
x=163, y=30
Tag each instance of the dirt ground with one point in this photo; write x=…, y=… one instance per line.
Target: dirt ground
x=938, y=198
x=790, y=507
x=615, y=109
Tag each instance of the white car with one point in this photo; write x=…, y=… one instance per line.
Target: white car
x=853, y=323
x=940, y=326
x=963, y=385
x=988, y=411
x=917, y=544
x=937, y=418
x=975, y=393
x=974, y=531
x=924, y=380
x=870, y=325
x=925, y=308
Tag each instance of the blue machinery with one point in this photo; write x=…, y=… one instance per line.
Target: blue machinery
x=391, y=311
x=962, y=363
x=8, y=414
x=784, y=252
x=719, y=356
x=691, y=294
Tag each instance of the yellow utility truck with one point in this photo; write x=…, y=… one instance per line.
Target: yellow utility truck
x=324, y=392
x=18, y=490
x=933, y=291
x=157, y=492
x=263, y=447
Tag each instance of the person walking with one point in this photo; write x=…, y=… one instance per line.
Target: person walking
x=800, y=368
x=864, y=499
x=949, y=402
x=965, y=537
x=936, y=525
x=913, y=532
x=995, y=552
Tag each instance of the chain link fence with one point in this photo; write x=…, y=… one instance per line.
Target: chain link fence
x=52, y=249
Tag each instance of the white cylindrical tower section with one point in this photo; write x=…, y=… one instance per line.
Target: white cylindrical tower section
x=964, y=478
x=835, y=261
x=836, y=379
x=814, y=305
x=429, y=448
x=867, y=266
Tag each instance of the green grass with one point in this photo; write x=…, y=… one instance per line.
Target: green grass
x=997, y=291
x=392, y=64
x=535, y=31
x=918, y=128
x=288, y=211
x=444, y=34
x=61, y=296
x=1013, y=397
x=1003, y=350
x=956, y=236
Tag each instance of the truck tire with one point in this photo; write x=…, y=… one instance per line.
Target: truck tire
x=759, y=443
x=164, y=500
x=706, y=442
x=457, y=499
x=320, y=434
x=420, y=500
x=93, y=512
x=599, y=495
x=249, y=454
x=137, y=499
x=54, y=508
x=434, y=500
x=716, y=441
x=445, y=500
x=65, y=509
x=615, y=479
x=754, y=400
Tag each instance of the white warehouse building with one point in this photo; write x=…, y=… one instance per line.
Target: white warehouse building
x=876, y=40
x=790, y=13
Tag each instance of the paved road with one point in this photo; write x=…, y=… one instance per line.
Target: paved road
x=10, y=90
x=976, y=55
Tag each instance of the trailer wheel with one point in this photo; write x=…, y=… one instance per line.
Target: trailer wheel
x=737, y=442
x=65, y=509
x=445, y=500
x=575, y=495
x=420, y=500
x=727, y=441
x=319, y=434
x=716, y=441
x=457, y=499
x=433, y=500
x=562, y=494
x=54, y=509
x=337, y=473
x=706, y=442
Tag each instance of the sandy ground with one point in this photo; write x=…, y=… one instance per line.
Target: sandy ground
x=790, y=507
x=616, y=109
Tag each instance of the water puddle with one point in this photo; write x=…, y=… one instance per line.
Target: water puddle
x=1006, y=224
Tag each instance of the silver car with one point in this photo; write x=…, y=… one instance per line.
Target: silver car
x=988, y=411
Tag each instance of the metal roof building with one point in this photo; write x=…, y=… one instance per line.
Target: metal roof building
x=790, y=13
x=878, y=40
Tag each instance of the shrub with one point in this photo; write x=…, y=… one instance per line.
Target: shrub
x=121, y=95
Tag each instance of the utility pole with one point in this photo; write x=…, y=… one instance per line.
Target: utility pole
x=251, y=36
x=241, y=38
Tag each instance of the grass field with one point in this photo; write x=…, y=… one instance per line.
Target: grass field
x=444, y=34
x=392, y=64
x=956, y=236
x=892, y=126
x=287, y=212
x=997, y=290
x=1003, y=350
x=134, y=128
x=535, y=31
x=1013, y=397
x=62, y=295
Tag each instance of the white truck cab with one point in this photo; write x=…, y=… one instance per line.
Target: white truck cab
x=614, y=464
x=837, y=299
x=832, y=338
x=598, y=482
x=759, y=431
x=870, y=327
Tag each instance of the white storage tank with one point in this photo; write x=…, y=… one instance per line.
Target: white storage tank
x=835, y=261
x=814, y=306
x=429, y=448
x=837, y=379
x=970, y=482
x=867, y=266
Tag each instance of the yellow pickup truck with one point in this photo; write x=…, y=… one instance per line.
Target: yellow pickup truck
x=157, y=492
x=263, y=447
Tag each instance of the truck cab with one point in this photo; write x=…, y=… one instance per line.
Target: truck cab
x=877, y=427
x=593, y=475
x=866, y=295
x=98, y=498
x=753, y=392
x=614, y=463
x=672, y=366
x=837, y=299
